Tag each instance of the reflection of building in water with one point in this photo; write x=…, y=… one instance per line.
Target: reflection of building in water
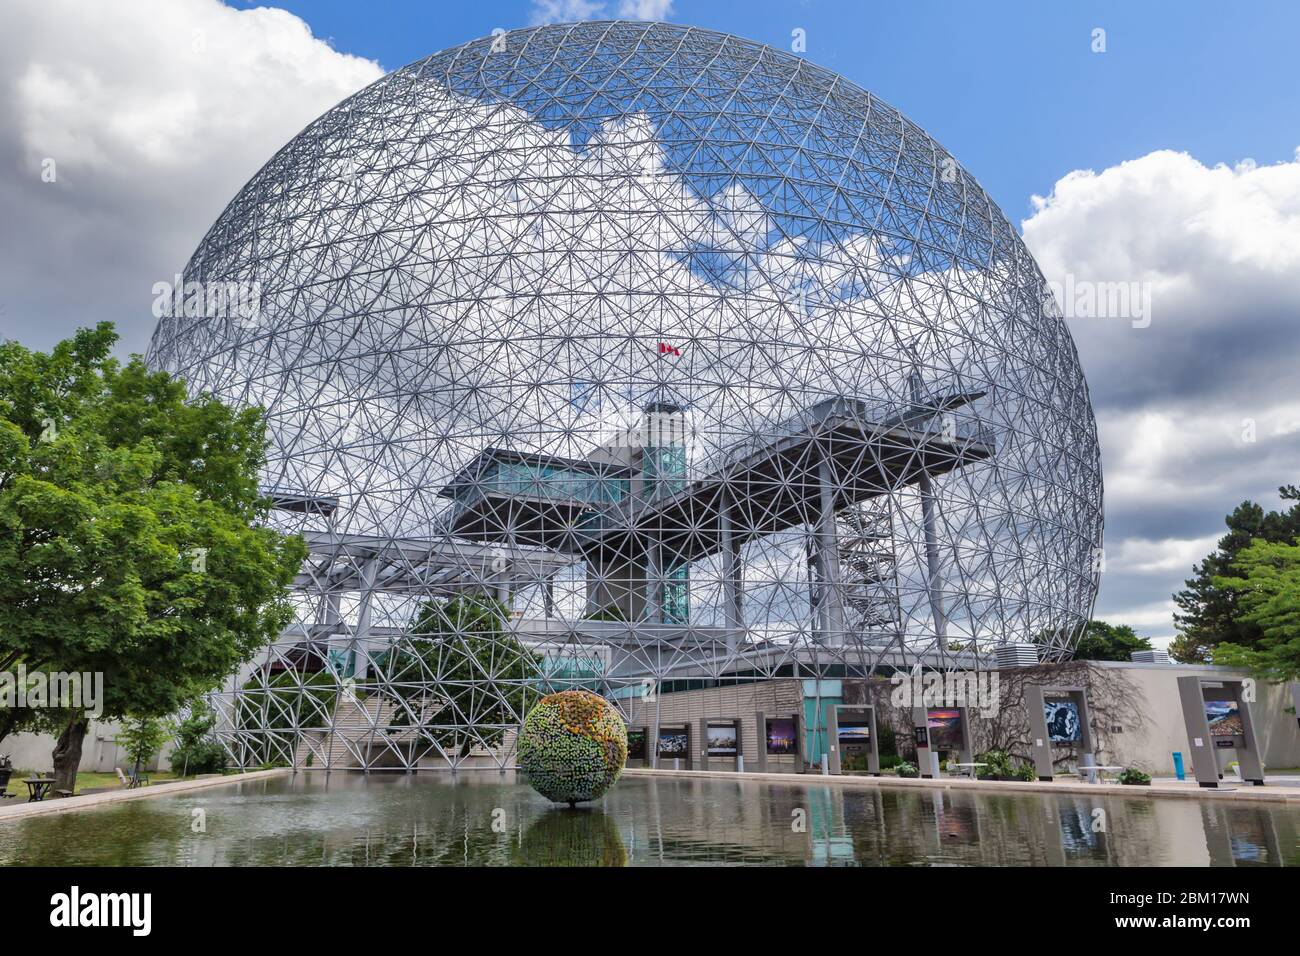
x=1242, y=835
x=1075, y=831
x=956, y=818
x=831, y=843
x=686, y=820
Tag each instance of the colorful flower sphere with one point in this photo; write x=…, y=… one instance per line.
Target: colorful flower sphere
x=573, y=746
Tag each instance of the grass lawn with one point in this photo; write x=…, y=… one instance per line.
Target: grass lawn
x=85, y=780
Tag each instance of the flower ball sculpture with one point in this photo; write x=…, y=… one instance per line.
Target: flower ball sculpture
x=573, y=746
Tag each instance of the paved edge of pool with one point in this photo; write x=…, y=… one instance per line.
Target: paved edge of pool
x=91, y=801
x=1186, y=791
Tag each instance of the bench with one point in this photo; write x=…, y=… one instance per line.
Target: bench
x=133, y=780
x=1099, y=770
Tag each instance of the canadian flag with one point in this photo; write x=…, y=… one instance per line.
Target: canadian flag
x=666, y=349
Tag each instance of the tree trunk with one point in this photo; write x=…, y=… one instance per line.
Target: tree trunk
x=8, y=720
x=67, y=752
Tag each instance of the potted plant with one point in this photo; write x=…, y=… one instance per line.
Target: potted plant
x=1135, y=777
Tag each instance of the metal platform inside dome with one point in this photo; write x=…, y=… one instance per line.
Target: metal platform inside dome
x=766, y=485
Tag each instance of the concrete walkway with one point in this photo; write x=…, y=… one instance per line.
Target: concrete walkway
x=18, y=809
x=1227, y=790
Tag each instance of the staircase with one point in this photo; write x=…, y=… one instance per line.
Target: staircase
x=360, y=732
x=868, y=569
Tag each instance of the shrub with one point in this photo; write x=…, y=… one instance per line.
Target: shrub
x=854, y=763
x=1002, y=766
x=906, y=769
x=1134, y=777
x=196, y=751
x=997, y=765
x=888, y=744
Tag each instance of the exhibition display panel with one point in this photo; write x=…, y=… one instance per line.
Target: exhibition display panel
x=940, y=730
x=1059, y=717
x=1217, y=714
x=854, y=746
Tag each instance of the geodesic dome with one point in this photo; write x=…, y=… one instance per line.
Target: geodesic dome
x=608, y=354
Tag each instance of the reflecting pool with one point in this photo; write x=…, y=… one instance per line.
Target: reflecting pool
x=490, y=819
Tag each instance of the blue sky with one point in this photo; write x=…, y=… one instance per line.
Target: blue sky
x=1011, y=88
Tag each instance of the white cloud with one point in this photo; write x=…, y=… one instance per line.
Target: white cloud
x=154, y=113
x=1220, y=248
x=645, y=9
x=1151, y=618
x=1162, y=556
x=567, y=11
x=1160, y=452
x=1197, y=411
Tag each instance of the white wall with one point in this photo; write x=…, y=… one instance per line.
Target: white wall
x=1152, y=746
x=98, y=752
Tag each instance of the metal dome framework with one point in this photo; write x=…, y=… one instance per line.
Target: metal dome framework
x=619, y=354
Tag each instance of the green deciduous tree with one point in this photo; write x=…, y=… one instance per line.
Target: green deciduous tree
x=141, y=738
x=197, y=751
x=463, y=643
x=1109, y=642
x=131, y=537
x=1210, y=613
x=1267, y=582
x=277, y=708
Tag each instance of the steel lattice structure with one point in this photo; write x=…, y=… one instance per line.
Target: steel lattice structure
x=617, y=353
